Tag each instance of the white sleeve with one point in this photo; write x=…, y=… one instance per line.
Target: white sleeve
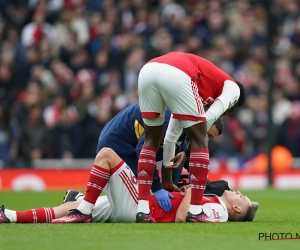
x=215, y=211
x=172, y=135
x=228, y=98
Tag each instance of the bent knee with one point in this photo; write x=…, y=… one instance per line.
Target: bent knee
x=105, y=153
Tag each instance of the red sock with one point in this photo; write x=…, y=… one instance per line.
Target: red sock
x=199, y=165
x=38, y=215
x=146, y=168
x=97, y=181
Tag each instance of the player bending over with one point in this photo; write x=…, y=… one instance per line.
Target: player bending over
x=188, y=85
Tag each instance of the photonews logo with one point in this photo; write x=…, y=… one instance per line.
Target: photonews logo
x=278, y=236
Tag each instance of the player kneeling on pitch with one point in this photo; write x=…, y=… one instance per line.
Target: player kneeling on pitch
x=120, y=203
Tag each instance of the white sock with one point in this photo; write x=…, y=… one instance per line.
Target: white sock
x=85, y=207
x=143, y=206
x=11, y=215
x=195, y=209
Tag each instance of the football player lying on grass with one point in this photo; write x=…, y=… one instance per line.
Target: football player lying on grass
x=120, y=202
x=231, y=206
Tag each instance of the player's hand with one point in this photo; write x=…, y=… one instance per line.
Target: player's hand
x=178, y=160
x=186, y=188
x=171, y=187
x=163, y=199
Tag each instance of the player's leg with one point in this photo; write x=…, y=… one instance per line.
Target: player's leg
x=122, y=193
x=146, y=167
x=120, y=203
x=181, y=96
x=152, y=108
x=98, y=179
x=36, y=215
x=198, y=167
x=107, y=164
x=102, y=211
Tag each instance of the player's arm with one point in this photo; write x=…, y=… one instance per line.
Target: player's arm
x=184, y=205
x=228, y=98
x=214, y=211
x=156, y=184
x=172, y=135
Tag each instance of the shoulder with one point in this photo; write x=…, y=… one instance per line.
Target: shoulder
x=216, y=210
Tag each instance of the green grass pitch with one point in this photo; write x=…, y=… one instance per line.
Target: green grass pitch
x=279, y=212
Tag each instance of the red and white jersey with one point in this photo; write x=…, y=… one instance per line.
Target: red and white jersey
x=159, y=214
x=212, y=206
x=208, y=77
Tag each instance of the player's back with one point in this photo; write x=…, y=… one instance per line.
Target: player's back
x=184, y=61
x=193, y=65
x=123, y=131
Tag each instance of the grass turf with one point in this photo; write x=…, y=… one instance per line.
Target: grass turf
x=278, y=213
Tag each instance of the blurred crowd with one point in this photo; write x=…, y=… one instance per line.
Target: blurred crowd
x=68, y=66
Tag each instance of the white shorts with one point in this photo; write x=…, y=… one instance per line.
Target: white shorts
x=120, y=205
x=102, y=211
x=162, y=84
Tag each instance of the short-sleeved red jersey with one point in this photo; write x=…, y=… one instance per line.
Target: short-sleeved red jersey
x=161, y=216
x=208, y=77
